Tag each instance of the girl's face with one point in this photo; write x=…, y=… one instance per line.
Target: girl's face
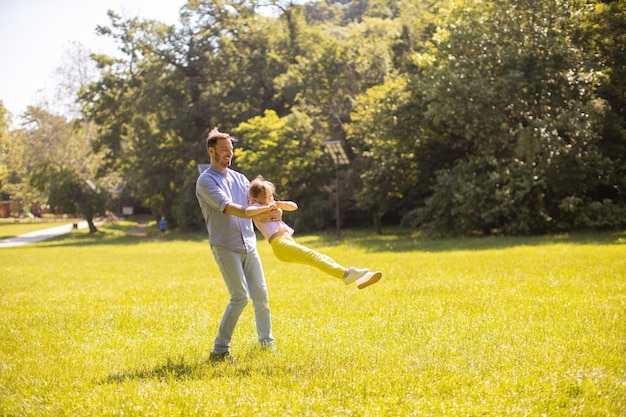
x=264, y=198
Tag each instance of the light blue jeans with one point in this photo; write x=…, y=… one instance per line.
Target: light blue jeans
x=243, y=275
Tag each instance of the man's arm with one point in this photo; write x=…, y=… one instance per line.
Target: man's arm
x=257, y=209
x=239, y=211
x=236, y=210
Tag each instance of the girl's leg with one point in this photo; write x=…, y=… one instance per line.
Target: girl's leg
x=287, y=250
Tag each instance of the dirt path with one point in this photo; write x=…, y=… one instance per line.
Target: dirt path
x=139, y=230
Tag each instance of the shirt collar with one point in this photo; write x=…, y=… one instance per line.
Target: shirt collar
x=218, y=172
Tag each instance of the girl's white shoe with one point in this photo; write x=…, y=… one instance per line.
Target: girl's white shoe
x=369, y=279
x=352, y=274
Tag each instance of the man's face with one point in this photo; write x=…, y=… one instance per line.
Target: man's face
x=222, y=154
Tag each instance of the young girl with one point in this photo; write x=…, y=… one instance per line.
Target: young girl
x=278, y=234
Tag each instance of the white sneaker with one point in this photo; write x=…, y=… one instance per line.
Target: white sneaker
x=352, y=274
x=369, y=279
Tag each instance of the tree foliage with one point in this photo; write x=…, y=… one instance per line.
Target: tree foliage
x=286, y=152
x=50, y=162
x=42, y=137
x=521, y=122
x=68, y=193
x=5, y=149
x=458, y=117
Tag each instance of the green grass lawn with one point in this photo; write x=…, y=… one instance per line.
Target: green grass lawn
x=112, y=325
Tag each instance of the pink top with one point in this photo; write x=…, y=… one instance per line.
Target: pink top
x=272, y=229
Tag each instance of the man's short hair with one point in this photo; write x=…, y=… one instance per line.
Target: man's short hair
x=214, y=135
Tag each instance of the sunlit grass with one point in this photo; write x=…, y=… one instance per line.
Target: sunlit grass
x=118, y=325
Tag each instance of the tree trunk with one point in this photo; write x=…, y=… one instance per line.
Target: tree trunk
x=92, y=226
x=378, y=224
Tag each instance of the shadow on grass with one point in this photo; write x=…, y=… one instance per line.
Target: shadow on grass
x=180, y=370
x=408, y=240
x=171, y=370
x=394, y=239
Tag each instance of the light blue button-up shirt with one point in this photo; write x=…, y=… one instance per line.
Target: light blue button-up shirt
x=215, y=189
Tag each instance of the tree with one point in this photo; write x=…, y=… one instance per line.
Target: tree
x=48, y=154
x=386, y=120
x=5, y=120
x=512, y=97
x=154, y=106
x=381, y=135
x=41, y=137
x=287, y=152
x=463, y=116
x=69, y=194
x=602, y=34
x=75, y=73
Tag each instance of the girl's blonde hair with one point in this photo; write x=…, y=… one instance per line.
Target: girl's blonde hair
x=259, y=186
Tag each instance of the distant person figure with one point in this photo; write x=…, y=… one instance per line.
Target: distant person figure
x=279, y=235
x=223, y=196
x=162, y=226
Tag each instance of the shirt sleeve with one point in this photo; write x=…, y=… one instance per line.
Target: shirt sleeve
x=208, y=190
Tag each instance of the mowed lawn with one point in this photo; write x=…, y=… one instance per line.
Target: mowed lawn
x=113, y=325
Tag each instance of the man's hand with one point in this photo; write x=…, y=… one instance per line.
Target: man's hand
x=270, y=216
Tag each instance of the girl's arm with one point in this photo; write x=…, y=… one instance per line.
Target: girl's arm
x=284, y=205
x=269, y=213
x=255, y=209
x=287, y=205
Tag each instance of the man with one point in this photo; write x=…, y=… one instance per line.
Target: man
x=223, y=197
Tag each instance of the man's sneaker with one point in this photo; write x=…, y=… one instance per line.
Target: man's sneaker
x=352, y=274
x=369, y=279
x=268, y=347
x=220, y=356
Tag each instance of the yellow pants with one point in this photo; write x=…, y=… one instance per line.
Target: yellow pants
x=287, y=250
